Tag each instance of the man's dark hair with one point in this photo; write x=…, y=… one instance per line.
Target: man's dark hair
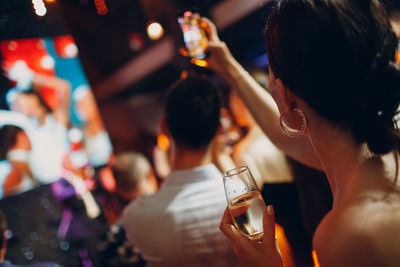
x=3, y=228
x=192, y=111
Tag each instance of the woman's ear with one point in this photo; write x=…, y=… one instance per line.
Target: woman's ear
x=288, y=98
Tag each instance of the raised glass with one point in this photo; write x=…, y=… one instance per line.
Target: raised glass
x=245, y=202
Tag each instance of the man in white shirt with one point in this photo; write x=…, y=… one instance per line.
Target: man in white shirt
x=178, y=226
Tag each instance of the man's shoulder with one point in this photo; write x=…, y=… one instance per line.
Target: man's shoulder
x=143, y=207
x=139, y=204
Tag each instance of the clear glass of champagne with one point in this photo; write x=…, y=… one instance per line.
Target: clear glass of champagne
x=245, y=202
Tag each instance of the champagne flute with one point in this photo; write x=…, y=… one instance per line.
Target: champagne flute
x=245, y=202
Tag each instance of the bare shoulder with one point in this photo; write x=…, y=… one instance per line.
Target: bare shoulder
x=360, y=233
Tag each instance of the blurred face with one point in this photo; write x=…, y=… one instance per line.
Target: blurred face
x=26, y=104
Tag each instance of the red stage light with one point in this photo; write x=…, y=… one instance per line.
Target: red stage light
x=101, y=7
x=136, y=42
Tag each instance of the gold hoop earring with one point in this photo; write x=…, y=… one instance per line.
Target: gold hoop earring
x=290, y=131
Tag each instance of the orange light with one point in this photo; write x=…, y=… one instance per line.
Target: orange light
x=163, y=142
x=184, y=74
x=398, y=57
x=50, y=1
x=199, y=62
x=315, y=258
x=183, y=52
x=155, y=31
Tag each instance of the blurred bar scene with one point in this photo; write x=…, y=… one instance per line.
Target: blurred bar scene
x=83, y=133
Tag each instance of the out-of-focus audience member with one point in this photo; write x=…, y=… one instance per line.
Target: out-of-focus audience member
x=3, y=248
x=178, y=226
x=80, y=211
x=49, y=136
x=96, y=140
x=15, y=174
x=134, y=177
x=161, y=159
x=267, y=163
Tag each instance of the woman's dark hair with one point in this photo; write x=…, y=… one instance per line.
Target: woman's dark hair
x=338, y=55
x=192, y=111
x=8, y=137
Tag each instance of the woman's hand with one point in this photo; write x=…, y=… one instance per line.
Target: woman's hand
x=219, y=57
x=254, y=253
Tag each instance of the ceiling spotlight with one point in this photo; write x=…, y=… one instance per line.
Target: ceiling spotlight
x=39, y=7
x=155, y=31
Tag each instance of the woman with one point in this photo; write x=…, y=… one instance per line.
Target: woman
x=49, y=134
x=334, y=81
x=15, y=174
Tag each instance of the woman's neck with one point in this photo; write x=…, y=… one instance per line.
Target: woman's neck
x=340, y=155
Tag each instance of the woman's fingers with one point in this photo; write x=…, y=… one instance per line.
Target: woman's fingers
x=269, y=238
x=226, y=218
x=238, y=239
x=211, y=30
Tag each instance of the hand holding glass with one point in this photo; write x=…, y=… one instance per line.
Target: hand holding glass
x=245, y=202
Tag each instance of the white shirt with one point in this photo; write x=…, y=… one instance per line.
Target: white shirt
x=49, y=146
x=178, y=226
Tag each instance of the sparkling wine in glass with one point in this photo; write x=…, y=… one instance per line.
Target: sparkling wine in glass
x=245, y=202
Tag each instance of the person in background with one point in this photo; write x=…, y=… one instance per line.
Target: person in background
x=335, y=83
x=3, y=248
x=16, y=176
x=267, y=163
x=178, y=225
x=49, y=136
x=96, y=140
x=134, y=177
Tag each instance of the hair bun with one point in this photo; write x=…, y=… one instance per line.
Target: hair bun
x=377, y=125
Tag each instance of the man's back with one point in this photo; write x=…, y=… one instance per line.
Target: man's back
x=178, y=226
